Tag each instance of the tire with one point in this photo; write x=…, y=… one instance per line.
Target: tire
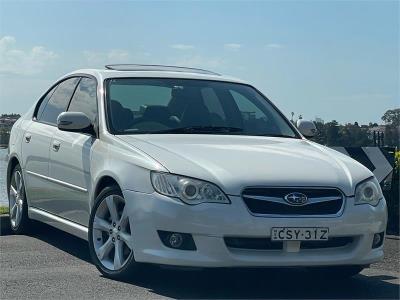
x=336, y=272
x=109, y=232
x=17, y=203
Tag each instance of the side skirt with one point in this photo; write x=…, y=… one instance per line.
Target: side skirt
x=58, y=222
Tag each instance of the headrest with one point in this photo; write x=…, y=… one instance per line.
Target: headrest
x=156, y=112
x=121, y=117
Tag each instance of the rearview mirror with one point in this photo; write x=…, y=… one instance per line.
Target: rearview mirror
x=75, y=122
x=306, y=128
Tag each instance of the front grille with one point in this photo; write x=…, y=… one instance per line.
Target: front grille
x=271, y=201
x=267, y=244
x=331, y=243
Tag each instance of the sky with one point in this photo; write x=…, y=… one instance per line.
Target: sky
x=337, y=60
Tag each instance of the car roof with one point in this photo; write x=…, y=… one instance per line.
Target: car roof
x=154, y=71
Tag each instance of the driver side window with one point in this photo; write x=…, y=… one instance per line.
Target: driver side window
x=85, y=99
x=58, y=101
x=247, y=108
x=254, y=119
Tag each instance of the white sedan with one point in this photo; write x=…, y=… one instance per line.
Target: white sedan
x=185, y=167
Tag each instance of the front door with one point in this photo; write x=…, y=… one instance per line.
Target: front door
x=70, y=159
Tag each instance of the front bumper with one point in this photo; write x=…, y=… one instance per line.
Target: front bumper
x=209, y=223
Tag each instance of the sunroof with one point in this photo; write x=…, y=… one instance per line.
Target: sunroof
x=135, y=67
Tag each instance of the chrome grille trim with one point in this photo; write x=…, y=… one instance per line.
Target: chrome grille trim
x=280, y=200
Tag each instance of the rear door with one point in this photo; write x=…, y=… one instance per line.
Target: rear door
x=70, y=157
x=35, y=154
x=37, y=140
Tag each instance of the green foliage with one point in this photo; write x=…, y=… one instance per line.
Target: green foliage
x=332, y=133
x=3, y=210
x=354, y=135
x=392, y=137
x=392, y=117
x=393, y=199
x=392, y=131
x=348, y=135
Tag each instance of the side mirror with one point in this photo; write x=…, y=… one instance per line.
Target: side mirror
x=306, y=128
x=75, y=122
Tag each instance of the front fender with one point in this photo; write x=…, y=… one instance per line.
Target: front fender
x=128, y=167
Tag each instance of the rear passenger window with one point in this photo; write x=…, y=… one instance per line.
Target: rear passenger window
x=59, y=101
x=84, y=99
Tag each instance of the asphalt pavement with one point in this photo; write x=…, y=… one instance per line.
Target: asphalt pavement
x=51, y=264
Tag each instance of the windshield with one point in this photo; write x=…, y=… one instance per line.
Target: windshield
x=150, y=106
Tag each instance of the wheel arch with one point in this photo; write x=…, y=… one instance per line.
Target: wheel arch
x=103, y=182
x=12, y=162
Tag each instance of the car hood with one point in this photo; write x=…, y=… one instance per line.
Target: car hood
x=236, y=162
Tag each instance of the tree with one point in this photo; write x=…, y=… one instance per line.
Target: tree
x=392, y=130
x=320, y=137
x=332, y=133
x=348, y=135
x=392, y=117
x=353, y=136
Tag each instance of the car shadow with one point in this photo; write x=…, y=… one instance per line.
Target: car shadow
x=57, y=238
x=275, y=283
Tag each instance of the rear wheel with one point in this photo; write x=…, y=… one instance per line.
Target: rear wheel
x=19, y=220
x=336, y=272
x=110, y=238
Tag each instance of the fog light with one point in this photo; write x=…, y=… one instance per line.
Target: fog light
x=175, y=240
x=378, y=240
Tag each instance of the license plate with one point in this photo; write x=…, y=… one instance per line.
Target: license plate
x=299, y=234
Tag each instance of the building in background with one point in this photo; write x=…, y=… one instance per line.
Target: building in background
x=6, y=123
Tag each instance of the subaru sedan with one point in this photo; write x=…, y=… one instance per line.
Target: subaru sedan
x=186, y=167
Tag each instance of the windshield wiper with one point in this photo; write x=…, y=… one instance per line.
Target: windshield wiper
x=199, y=129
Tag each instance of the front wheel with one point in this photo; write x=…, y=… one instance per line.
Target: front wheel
x=336, y=272
x=110, y=238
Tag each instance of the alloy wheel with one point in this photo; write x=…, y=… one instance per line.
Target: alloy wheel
x=111, y=233
x=16, y=198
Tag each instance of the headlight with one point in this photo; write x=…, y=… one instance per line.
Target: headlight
x=368, y=192
x=189, y=190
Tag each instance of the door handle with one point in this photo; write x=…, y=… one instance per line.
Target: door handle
x=28, y=138
x=56, y=146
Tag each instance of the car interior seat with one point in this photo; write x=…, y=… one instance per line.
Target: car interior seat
x=121, y=117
